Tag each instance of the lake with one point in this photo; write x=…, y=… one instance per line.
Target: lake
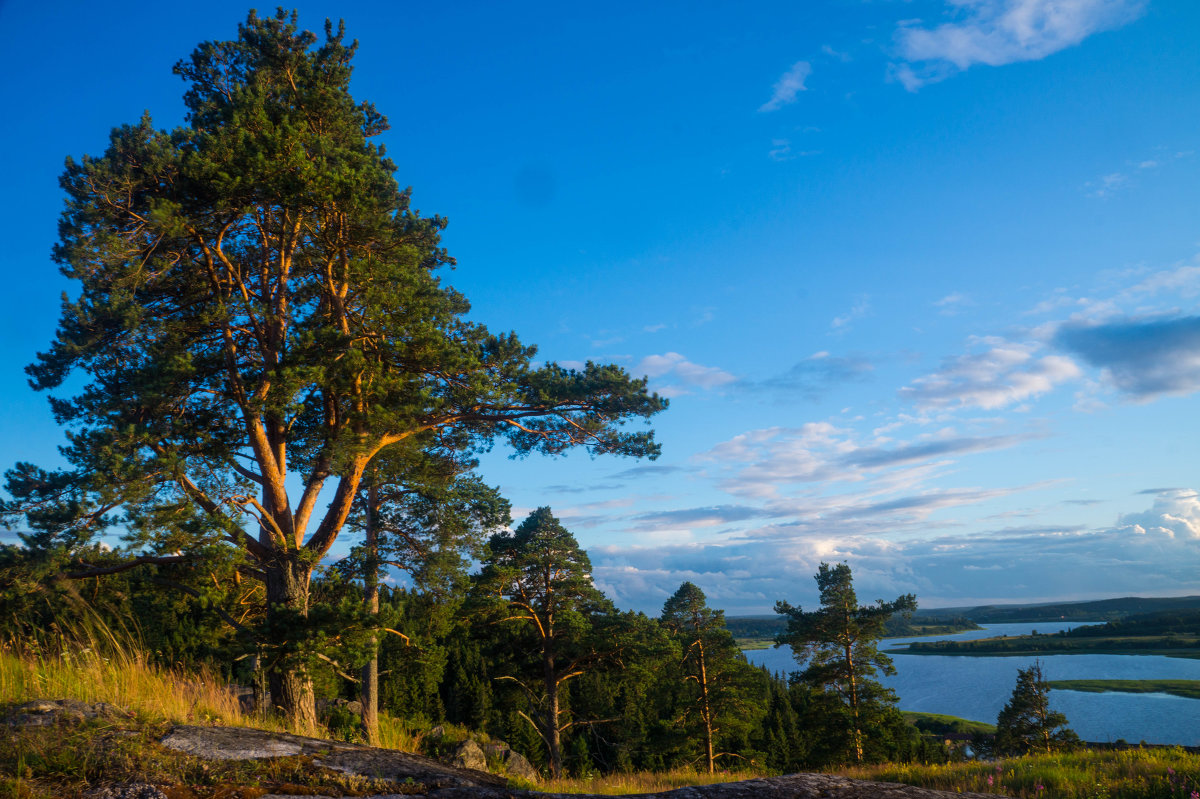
x=978, y=687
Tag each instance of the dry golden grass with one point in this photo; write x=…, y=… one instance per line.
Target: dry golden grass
x=125, y=679
x=643, y=781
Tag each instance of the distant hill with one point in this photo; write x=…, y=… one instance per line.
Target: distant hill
x=939, y=621
x=1093, y=610
x=760, y=629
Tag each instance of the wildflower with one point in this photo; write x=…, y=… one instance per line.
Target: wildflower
x=990, y=781
x=1170, y=771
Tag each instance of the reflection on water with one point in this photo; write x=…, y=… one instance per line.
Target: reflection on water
x=977, y=687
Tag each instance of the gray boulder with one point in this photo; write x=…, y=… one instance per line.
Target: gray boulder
x=517, y=766
x=468, y=754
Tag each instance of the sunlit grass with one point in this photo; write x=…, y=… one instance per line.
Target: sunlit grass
x=1158, y=773
x=92, y=664
x=643, y=781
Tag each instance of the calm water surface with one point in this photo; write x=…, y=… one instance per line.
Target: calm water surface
x=978, y=687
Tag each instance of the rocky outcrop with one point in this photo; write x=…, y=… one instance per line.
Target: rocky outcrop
x=416, y=775
x=410, y=775
x=43, y=712
x=236, y=743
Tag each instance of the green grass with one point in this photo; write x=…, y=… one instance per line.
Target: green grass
x=644, y=781
x=1168, y=773
x=1185, y=688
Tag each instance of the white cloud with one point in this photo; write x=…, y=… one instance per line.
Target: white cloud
x=779, y=464
x=1151, y=553
x=998, y=32
x=1005, y=373
x=1176, y=512
x=676, y=375
x=788, y=86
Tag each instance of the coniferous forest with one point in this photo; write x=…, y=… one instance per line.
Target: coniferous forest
x=274, y=408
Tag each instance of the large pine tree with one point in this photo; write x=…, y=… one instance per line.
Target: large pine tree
x=258, y=318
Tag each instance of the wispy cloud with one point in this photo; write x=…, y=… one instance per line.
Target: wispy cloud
x=788, y=86
x=781, y=150
x=1005, y=373
x=773, y=462
x=814, y=377
x=650, y=469
x=746, y=573
x=953, y=304
x=675, y=375
x=998, y=32
x=861, y=308
x=1107, y=185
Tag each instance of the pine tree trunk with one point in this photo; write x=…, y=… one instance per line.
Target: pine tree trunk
x=707, y=711
x=369, y=689
x=287, y=581
x=856, y=731
x=553, y=736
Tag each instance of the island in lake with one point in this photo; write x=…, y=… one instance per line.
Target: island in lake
x=1174, y=633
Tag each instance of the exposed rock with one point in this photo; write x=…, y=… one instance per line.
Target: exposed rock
x=517, y=766
x=43, y=712
x=413, y=773
x=514, y=763
x=495, y=750
x=468, y=754
x=130, y=790
x=235, y=743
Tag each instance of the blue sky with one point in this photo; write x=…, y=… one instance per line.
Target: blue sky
x=921, y=277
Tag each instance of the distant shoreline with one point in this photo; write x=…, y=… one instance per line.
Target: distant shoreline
x=1188, y=689
x=1026, y=645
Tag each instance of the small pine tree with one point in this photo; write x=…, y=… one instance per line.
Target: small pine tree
x=1027, y=724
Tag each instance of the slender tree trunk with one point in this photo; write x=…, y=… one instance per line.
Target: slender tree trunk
x=856, y=731
x=369, y=690
x=553, y=735
x=287, y=582
x=706, y=709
